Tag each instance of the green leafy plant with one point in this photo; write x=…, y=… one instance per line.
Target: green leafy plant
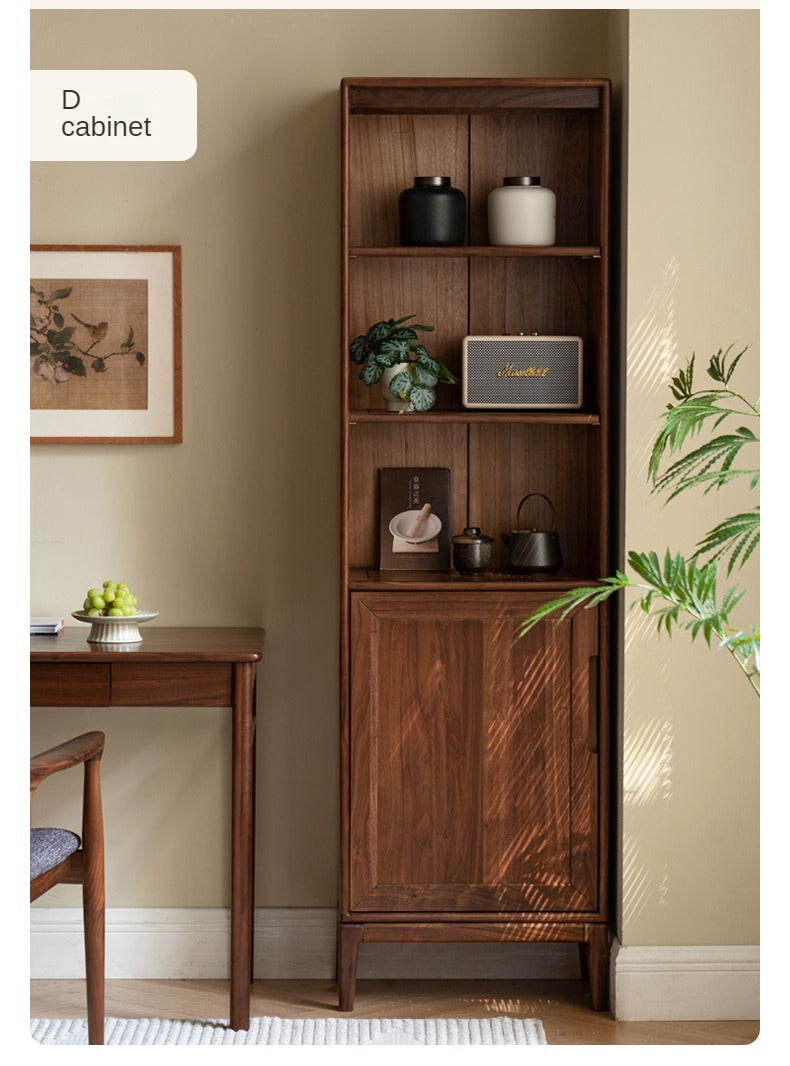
x=682, y=592
x=388, y=343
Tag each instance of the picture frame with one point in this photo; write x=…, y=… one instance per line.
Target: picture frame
x=105, y=336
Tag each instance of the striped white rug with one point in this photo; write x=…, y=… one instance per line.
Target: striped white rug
x=500, y=1030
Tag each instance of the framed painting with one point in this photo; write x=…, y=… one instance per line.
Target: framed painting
x=105, y=344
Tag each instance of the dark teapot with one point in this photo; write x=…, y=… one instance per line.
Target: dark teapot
x=533, y=551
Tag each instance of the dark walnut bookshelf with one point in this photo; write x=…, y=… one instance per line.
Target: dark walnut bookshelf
x=474, y=768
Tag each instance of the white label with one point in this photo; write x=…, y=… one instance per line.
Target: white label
x=112, y=115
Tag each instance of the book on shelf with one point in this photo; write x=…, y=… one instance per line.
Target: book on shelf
x=414, y=518
x=42, y=624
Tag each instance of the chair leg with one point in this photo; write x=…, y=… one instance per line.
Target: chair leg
x=93, y=917
x=93, y=902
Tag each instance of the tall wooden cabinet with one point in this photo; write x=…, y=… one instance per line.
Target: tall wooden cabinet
x=474, y=767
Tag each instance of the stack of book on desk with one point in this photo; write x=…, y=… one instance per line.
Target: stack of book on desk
x=46, y=624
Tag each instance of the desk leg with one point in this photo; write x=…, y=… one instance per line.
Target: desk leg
x=253, y=836
x=242, y=845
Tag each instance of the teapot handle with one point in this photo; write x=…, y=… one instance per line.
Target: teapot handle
x=529, y=496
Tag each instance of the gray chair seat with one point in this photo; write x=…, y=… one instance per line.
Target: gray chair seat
x=48, y=847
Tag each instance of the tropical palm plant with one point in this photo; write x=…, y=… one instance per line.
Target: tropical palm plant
x=680, y=591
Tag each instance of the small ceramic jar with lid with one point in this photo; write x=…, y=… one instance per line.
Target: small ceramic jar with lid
x=472, y=551
x=432, y=212
x=521, y=211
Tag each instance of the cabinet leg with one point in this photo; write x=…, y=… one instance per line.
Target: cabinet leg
x=583, y=967
x=597, y=940
x=348, y=939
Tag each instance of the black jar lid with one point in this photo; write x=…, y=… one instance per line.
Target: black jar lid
x=432, y=180
x=472, y=535
x=523, y=180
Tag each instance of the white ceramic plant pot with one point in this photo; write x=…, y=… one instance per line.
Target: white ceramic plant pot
x=393, y=403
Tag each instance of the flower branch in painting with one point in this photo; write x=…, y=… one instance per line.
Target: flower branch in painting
x=60, y=351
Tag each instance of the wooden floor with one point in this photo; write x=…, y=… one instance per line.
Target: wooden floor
x=562, y=1006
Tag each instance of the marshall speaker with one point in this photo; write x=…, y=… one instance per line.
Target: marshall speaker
x=522, y=371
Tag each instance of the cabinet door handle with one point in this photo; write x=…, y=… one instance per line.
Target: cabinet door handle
x=592, y=704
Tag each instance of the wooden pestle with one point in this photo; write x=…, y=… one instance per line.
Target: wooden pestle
x=419, y=521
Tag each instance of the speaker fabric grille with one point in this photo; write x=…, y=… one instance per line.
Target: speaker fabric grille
x=522, y=372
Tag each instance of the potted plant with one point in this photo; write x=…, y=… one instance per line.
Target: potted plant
x=681, y=591
x=390, y=353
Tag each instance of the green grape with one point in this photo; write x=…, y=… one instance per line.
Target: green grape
x=114, y=599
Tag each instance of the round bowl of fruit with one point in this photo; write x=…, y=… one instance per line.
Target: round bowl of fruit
x=113, y=614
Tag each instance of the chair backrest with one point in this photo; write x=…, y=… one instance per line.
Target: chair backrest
x=58, y=856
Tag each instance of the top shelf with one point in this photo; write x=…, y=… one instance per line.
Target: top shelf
x=471, y=95
x=482, y=251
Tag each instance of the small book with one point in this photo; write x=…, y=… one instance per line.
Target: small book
x=51, y=624
x=414, y=518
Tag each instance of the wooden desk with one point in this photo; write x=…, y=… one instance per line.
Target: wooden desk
x=175, y=668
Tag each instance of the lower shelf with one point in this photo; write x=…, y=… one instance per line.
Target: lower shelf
x=494, y=580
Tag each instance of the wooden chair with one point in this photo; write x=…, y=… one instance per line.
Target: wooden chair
x=57, y=856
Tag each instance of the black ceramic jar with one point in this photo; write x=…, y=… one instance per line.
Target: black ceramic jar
x=472, y=551
x=432, y=212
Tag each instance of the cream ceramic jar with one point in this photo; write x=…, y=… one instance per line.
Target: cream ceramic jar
x=521, y=211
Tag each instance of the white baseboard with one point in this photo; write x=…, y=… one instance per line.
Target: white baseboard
x=289, y=943
x=648, y=983
x=708, y=983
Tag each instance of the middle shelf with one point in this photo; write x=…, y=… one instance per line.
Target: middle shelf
x=493, y=465
x=468, y=417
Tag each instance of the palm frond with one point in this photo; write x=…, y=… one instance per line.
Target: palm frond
x=698, y=409
x=586, y=596
x=718, y=369
x=688, y=592
x=709, y=465
x=737, y=536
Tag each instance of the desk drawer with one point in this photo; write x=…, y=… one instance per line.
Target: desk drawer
x=69, y=685
x=171, y=684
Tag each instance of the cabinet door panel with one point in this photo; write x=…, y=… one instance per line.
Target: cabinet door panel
x=464, y=750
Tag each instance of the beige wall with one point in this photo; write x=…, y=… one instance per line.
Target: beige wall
x=240, y=523
x=690, y=789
